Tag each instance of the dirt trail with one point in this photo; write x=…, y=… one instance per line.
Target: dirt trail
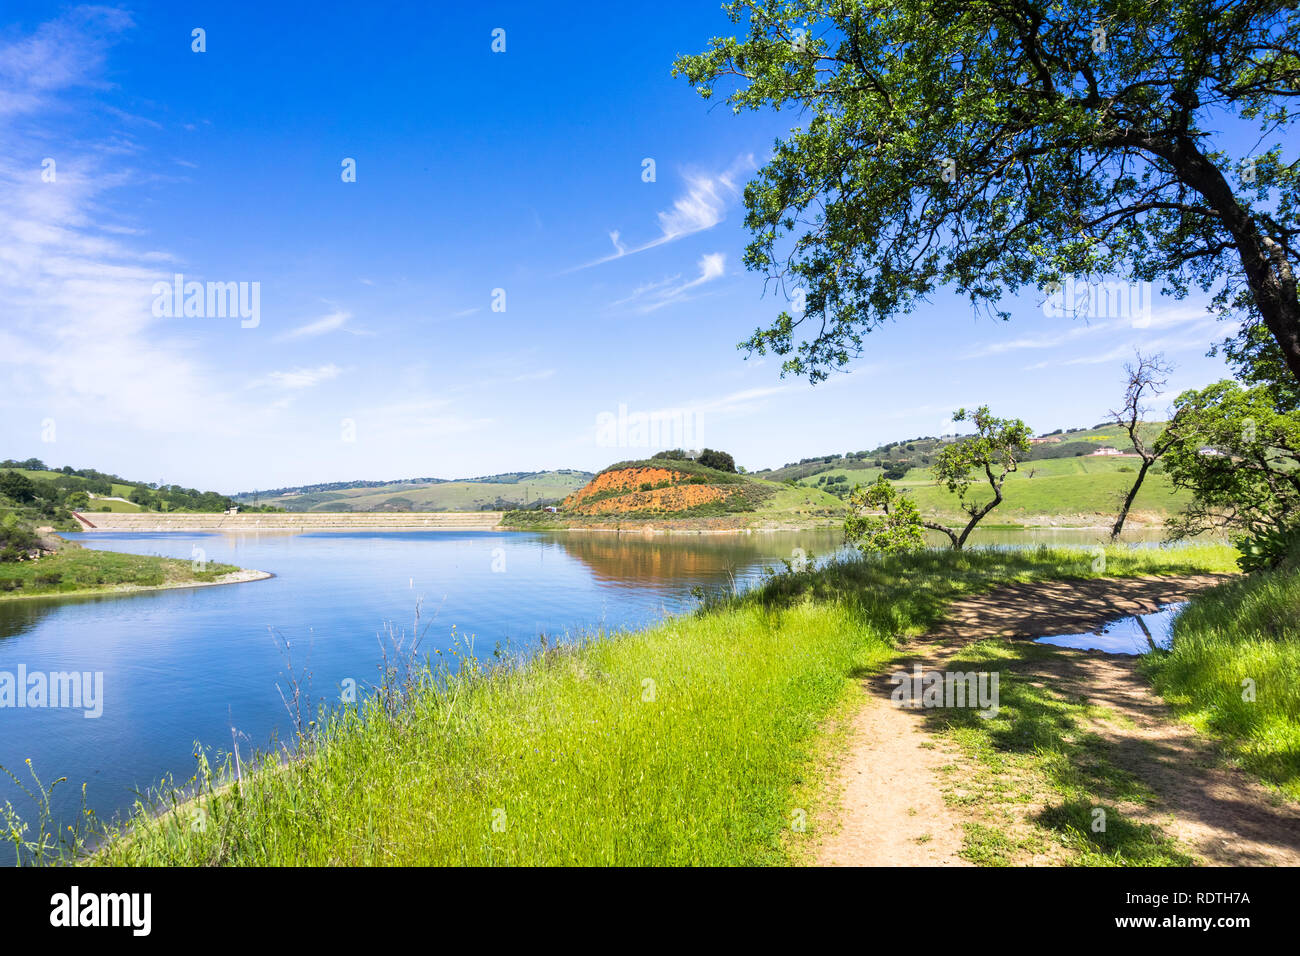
x=892, y=811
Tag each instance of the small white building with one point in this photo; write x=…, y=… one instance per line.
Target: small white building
x=1106, y=450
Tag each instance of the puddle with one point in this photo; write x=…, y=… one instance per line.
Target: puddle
x=1133, y=634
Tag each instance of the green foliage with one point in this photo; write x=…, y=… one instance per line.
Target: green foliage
x=898, y=529
x=1268, y=549
x=992, y=453
x=52, y=495
x=1233, y=671
x=719, y=460
x=1239, y=455
x=998, y=445
x=998, y=147
x=17, y=539
x=17, y=486
x=73, y=569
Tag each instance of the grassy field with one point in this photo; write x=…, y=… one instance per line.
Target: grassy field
x=74, y=569
x=1098, y=493
x=1066, y=487
x=119, y=490
x=1234, y=672
x=117, y=507
x=688, y=743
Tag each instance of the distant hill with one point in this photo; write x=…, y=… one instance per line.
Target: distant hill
x=504, y=492
x=49, y=494
x=897, y=457
x=1060, y=479
x=682, y=492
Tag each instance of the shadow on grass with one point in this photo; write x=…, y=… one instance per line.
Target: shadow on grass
x=1040, y=739
x=1104, y=837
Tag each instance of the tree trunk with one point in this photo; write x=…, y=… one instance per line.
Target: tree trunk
x=978, y=516
x=1128, y=502
x=1268, y=271
x=952, y=535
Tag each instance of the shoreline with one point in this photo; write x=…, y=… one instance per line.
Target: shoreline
x=242, y=576
x=538, y=788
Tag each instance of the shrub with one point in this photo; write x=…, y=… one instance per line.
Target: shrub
x=1269, y=549
x=897, y=530
x=718, y=460
x=16, y=539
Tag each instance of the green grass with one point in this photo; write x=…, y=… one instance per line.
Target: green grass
x=76, y=569
x=1059, y=486
x=1064, y=489
x=687, y=743
x=1042, y=746
x=99, y=504
x=1245, y=630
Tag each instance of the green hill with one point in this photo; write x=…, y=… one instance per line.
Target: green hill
x=490, y=493
x=1059, y=480
x=37, y=493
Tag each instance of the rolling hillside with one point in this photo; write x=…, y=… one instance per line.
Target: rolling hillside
x=1060, y=482
x=491, y=493
x=51, y=495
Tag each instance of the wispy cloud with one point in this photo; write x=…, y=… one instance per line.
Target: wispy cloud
x=670, y=291
x=1049, y=341
x=1196, y=335
x=79, y=338
x=702, y=206
x=59, y=55
x=322, y=326
x=1193, y=316
x=300, y=378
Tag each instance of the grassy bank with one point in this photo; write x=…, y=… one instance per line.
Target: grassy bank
x=688, y=743
x=77, y=570
x=1242, y=636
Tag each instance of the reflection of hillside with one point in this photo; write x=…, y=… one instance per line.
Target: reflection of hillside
x=22, y=615
x=701, y=559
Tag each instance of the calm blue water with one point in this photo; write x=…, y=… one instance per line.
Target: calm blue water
x=187, y=665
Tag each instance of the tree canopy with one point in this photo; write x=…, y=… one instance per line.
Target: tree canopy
x=987, y=457
x=896, y=529
x=1239, y=456
x=998, y=145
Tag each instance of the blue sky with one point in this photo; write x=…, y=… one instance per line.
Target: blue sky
x=378, y=353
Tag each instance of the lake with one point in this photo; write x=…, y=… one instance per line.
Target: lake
x=188, y=665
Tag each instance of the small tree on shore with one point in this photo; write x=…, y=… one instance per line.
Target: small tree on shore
x=894, y=528
x=1147, y=377
x=993, y=452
